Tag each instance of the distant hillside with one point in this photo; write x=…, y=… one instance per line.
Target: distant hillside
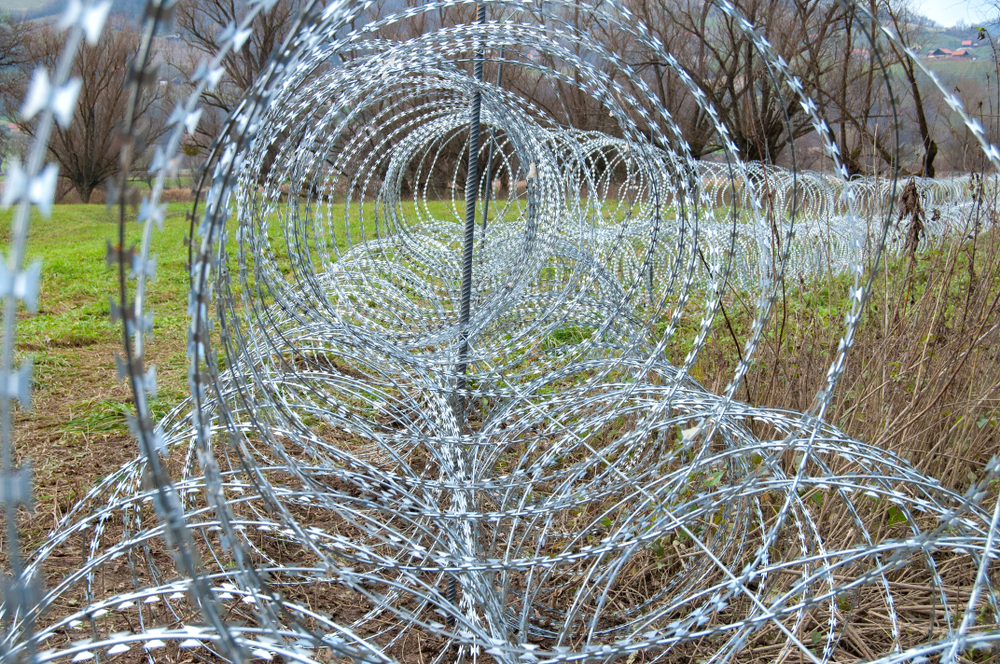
x=19, y=5
x=952, y=38
x=40, y=9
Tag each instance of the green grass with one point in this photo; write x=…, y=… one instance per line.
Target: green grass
x=572, y=334
x=72, y=338
x=980, y=67
x=108, y=415
x=183, y=180
x=76, y=280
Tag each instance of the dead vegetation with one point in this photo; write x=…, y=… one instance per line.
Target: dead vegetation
x=923, y=376
x=922, y=381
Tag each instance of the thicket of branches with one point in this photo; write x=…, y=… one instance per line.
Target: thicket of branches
x=199, y=23
x=825, y=44
x=88, y=150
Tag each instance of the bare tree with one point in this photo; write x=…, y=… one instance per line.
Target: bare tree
x=88, y=150
x=13, y=40
x=665, y=83
x=858, y=98
x=762, y=115
x=899, y=17
x=14, y=56
x=201, y=22
x=559, y=87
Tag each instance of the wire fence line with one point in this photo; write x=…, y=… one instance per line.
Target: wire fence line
x=368, y=469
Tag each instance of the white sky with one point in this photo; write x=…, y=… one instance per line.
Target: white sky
x=950, y=12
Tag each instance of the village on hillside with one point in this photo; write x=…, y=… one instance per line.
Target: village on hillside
x=962, y=42
x=967, y=51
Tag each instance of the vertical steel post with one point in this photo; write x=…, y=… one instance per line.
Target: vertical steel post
x=489, y=160
x=471, y=191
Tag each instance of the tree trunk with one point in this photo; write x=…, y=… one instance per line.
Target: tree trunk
x=926, y=140
x=930, y=147
x=931, y=150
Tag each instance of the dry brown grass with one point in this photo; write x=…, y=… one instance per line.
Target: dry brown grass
x=922, y=380
x=923, y=377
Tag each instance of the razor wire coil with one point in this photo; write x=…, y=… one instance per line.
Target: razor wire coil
x=489, y=477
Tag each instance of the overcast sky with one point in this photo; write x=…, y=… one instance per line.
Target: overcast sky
x=950, y=12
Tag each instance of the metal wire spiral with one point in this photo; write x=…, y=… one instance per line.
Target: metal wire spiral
x=411, y=435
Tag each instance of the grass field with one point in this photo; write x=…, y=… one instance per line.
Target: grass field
x=75, y=432
x=980, y=67
x=923, y=379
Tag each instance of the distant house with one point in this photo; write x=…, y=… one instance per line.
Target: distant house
x=969, y=43
x=960, y=54
x=939, y=53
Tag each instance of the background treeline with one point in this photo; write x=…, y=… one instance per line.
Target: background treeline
x=880, y=110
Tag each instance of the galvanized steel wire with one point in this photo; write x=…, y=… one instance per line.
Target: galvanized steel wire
x=361, y=468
